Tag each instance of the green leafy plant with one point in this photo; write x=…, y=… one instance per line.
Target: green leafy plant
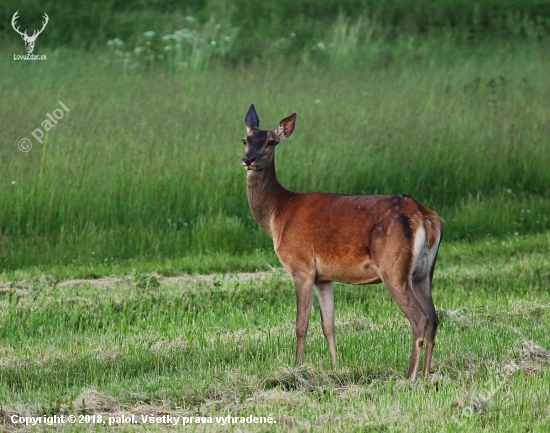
x=193, y=47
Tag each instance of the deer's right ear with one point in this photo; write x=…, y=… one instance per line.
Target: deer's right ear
x=251, y=120
x=286, y=127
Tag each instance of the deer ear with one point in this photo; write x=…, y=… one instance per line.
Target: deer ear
x=286, y=127
x=251, y=120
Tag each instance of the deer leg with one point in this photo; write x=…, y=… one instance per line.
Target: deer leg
x=303, y=285
x=325, y=296
x=401, y=291
x=423, y=293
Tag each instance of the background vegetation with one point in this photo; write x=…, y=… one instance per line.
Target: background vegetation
x=262, y=25
x=447, y=102
x=147, y=161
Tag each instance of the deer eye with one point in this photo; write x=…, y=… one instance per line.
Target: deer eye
x=271, y=142
x=244, y=140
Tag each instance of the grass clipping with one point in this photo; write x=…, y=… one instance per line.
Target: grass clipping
x=529, y=358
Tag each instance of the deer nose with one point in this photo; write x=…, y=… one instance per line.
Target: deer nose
x=248, y=160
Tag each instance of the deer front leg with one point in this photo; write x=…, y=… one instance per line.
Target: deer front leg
x=325, y=296
x=303, y=285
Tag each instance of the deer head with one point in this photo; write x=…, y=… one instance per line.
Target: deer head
x=29, y=40
x=259, y=145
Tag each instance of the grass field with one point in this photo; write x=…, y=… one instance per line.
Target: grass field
x=147, y=164
x=134, y=281
x=223, y=345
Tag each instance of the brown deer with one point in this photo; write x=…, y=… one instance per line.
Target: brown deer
x=321, y=237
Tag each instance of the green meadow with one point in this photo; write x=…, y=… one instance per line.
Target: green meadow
x=134, y=280
x=147, y=164
x=223, y=344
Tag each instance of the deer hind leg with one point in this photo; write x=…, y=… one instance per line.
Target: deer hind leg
x=325, y=296
x=400, y=287
x=303, y=284
x=423, y=293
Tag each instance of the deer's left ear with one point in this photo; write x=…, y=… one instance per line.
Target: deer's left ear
x=286, y=127
x=251, y=120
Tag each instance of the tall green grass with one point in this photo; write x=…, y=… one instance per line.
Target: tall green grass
x=148, y=163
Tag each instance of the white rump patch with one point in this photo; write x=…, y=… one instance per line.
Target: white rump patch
x=423, y=257
x=419, y=242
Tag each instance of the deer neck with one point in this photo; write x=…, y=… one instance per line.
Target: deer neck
x=266, y=196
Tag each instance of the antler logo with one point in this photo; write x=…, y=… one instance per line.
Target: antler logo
x=29, y=40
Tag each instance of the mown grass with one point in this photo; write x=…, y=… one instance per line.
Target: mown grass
x=225, y=344
x=147, y=164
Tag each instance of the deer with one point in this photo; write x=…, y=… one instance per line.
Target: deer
x=29, y=40
x=321, y=238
